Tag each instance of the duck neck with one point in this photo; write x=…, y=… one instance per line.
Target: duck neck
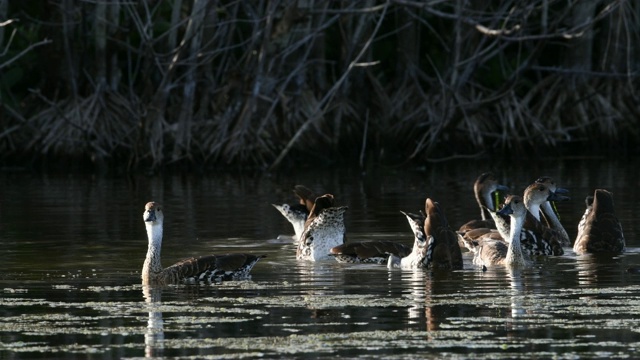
x=298, y=228
x=534, y=209
x=419, y=254
x=514, y=253
x=502, y=224
x=152, y=262
x=554, y=221
x=485, y=202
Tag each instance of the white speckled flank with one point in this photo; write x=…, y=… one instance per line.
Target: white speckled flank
x=323, y=233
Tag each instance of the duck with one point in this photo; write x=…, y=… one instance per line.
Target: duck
x=369, y=252
x=297, y=214
x=599, y=230
x=485, y=186
x=536, y=239
x=550, y=212
x=422, y=250
x=435, y=244
x=208, y=268
x=510, y=253
x=588, y=202
x=323, y=230
x=535, y=196
x=446, y=251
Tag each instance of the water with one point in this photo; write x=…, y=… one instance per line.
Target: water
x=73, y=248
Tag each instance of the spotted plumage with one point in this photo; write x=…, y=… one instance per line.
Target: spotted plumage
x=599, y=230
x=297, y=214
x=435, y=244
x=324, y=229
x=422, y=250
x=210, y=268
x=494, y=252
x=536, y=238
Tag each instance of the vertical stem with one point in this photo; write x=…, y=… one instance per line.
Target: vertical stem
x=100, y=33
x=580, y=50
x=4, y=7
x=68, y=9
x=113, y=14
x=175, y=24
x=193, y=35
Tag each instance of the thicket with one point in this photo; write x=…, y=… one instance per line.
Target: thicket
x=145, y=84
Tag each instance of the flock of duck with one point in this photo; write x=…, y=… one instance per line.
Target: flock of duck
x=513, y=231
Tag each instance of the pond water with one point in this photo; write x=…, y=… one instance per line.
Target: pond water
x=73, y=247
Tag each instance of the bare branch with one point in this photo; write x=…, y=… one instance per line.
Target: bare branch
x=23, y=52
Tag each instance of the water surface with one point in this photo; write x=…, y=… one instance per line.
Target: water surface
x=73, y=248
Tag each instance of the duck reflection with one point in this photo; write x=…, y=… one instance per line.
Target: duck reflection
x=154, y=336
x=594, y=269
x=507, y=287
x=321, y=281
x=424, y=288
x=418, y=286
x=517, y=292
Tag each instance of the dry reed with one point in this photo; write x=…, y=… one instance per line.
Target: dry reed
x=261, y=82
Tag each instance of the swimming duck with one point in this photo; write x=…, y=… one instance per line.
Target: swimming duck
x=435, y=244
x=550, y=212
x=535, y=195
x=297, y=214
x=471, y=239
x=323, y=230
x=446, y=251
x=376, y=252
x=536, y=238
x=600, y=230
x=485, y=186
x=497, y=252
x=420, y=256
x=209, y=268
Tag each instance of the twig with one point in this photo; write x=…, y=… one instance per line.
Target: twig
x=23, y=52
x=364, y=139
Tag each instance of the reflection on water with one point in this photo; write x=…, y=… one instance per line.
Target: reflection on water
x=73, y=249
x=517, y=292
x=154, y=336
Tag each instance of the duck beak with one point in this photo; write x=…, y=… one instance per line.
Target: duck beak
x=502, y=188
x=506, y=210
x=560, y=190
x=150, y=216
x=553, y=196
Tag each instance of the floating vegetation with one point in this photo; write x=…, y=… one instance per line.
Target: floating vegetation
x=321, y=301
x=469, y=314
